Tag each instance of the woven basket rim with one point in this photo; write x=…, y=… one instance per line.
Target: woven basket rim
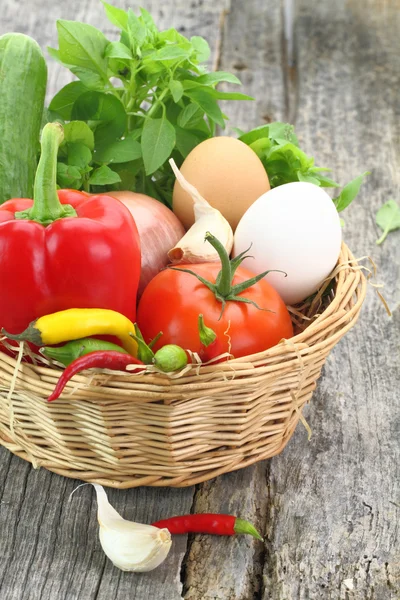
x=125, y=430
x=298, y=344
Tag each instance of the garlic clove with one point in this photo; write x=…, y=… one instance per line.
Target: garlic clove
x=192, y=248
x=130, y=546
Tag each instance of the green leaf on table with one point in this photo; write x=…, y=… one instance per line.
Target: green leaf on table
x=107, y=110
x=121, y=151
x=176, y=89
x=63, y=101
x=83, y=46
x=158, y=140
x=218, y=77
x=104, y=176
x=118, y=50
x=116, y=16
x=69, y=176
x=79, y=132
x=78, y=155
x=349, y=192
x=208, y=104
x=388, y=219
x=201, y=48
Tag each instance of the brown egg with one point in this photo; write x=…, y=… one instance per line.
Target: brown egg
x=227, y=173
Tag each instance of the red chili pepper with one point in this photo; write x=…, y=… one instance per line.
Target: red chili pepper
x=65, y=250
x=211, y=345
x=208, y=523
x=100, y=359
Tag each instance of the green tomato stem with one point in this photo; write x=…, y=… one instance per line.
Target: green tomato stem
x=207, y=335
x=224, y=287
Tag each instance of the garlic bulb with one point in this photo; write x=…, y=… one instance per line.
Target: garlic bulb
x=192, y=248
x=130, y=546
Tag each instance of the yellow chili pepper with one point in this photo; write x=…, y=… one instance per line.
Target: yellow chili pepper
x=77, y=323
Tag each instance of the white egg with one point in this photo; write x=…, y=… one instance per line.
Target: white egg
x=294, y=228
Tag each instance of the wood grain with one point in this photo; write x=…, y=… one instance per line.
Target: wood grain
x=328, y=507
x=332, y=525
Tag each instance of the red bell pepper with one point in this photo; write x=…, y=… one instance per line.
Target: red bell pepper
x=65, y=250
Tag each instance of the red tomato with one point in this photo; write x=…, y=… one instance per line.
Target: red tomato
x=173, y=300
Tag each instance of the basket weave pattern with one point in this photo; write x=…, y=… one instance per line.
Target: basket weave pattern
x=125, y=430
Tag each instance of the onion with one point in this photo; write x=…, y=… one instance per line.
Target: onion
x=159, y=231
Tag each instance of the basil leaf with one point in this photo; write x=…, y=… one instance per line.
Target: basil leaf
x=127, y=172
x=118, y=50
x=218, y=77
x=282, y=131
x=169, y=52
x=229, y=95
x=191, y=114
x=349, y=192
x=78, y=155
x=104, y=176
x=307, y=178
x=63, y=101
x=69, y=176
x=56, y=55
x=116, y=16
x=388, y=219
x=186, y=140
x=201, y=48
x=324, y=181
x=107, y=110
x=137, y=31
x=176, y=90
x=158, y=140
x=173, y=36
x=79, y=132
x=147, y=20
x=82, y=46
x=120, y=151
x=255, y=134
x=208, y=104
x=90, y=79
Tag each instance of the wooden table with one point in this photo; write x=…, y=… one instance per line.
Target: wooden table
x=329, y=508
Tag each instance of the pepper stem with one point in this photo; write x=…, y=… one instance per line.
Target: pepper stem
x=46, y=204
x=242, y=526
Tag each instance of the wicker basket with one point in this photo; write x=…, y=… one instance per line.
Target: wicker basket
x=125, y=430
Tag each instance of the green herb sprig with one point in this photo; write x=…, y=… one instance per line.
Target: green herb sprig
x=138, y=101
x=277, y=146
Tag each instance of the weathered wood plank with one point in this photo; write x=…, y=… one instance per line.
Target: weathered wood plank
x=49, y=547
x=252, y=49
x=332, y=528
x=312, y=501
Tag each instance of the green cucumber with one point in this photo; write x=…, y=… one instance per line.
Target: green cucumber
x=23, y=78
